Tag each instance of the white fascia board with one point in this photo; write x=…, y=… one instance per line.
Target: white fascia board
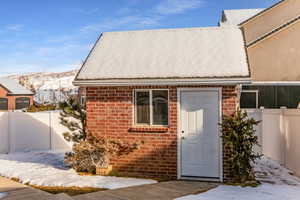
x=277, y=83
x=142, y=82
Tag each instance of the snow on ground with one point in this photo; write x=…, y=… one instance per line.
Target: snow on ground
x=263, y=192
x=2, y=195
x=278, y=183
x=47, y=169
x=269, y=171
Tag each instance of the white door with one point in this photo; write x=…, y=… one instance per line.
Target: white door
x=200, y=140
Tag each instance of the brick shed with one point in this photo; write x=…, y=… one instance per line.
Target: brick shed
x=168, y=89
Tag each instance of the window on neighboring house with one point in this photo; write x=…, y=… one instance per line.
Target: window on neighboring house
x=151, y=107
x=22, y=102
x=249, y=99
x=270, y=96
x=3, y=104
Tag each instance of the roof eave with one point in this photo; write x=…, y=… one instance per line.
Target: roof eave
x=13, y=94
x=89, y=55
x=8, y=91
x=141, y=82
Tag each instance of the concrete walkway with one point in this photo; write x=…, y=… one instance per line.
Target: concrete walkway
x=18, y=191
x=158, y=191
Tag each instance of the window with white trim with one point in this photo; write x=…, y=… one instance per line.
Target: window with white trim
x=151, y=107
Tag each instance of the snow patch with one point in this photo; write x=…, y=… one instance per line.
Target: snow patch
x=269, y=171
x=277, y=183
x=2, y=195
x=263, y=192
x=48, y=169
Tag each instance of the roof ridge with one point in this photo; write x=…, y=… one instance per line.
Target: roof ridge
x=238, y=9
x=174, y=29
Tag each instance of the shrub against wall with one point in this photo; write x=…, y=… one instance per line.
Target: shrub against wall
x=41, y=108
x=239, y=136
x=73, y=116
x=89, y=153
x=95, y=153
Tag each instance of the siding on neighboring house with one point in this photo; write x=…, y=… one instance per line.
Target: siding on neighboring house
x=271, y=19
x=277, y=58
x=273, y=48
x=110, y=114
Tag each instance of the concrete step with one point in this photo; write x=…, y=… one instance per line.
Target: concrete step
x=27, y=194
x=37, y=196
x=7, y=185
x=159, y=191
x=60, y=197
x=98, y=196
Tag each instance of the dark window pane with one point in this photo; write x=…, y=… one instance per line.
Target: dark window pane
x=160, y=107
x=22, y=102
x=282, y=96
x=294, y=96
x=248, y=100
x=267, y=97
x=250, y=87
x=276, y=96
x=3, y=104
x=142, y=108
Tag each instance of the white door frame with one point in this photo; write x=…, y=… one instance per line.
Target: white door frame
x=179, y=90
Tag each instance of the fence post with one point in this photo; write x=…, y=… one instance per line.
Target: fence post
x=261, y=125
x=9, y=132
x=284, y=134
x=50, y=130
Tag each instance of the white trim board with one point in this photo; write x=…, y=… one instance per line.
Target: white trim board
x=143, y=82
x=179, y=90
x=276, y=83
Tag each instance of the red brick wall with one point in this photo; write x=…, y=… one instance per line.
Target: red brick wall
x=110, y=114
x=12, y=99
x=3, y=92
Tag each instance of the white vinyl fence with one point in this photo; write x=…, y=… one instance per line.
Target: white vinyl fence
x=279, y=135
x=40, y=131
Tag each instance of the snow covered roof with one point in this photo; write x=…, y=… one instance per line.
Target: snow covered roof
x=235, y=17
x=169, y=53
x=13, y=87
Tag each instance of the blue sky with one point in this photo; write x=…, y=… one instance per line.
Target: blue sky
x=56, y=35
